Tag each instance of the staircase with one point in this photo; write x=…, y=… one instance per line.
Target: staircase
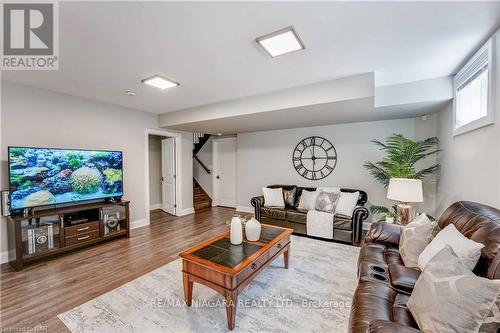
x=200, y=198
x=199, y=140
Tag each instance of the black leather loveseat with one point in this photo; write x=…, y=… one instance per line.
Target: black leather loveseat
x=346, y=229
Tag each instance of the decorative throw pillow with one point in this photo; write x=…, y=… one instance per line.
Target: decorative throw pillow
x=419, y=220
x=466, y=249
x=289, y=196
x=415, y=237
x=273, y=197
x=491, y=323
x=346, y=203
x=448, y=297
x=327, y=201
x=308, y=200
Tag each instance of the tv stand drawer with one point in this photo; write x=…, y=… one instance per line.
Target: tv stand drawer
x=82, y=238
x=81, y=228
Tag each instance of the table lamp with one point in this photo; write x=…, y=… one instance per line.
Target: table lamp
x=405, y=190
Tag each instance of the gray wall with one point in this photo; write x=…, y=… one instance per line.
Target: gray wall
x=154, y=149
x=36, y=117
x=264, y=158
x=470, y=165
x=186, y=173
x=470, y=162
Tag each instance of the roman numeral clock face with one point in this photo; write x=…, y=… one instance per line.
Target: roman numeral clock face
x=314, y=158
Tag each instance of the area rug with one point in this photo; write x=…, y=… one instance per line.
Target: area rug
x=313, y=295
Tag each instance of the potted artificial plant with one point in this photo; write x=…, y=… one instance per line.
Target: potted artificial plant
x=402, y=154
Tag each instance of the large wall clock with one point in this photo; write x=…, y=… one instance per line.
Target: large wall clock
x=314, y=158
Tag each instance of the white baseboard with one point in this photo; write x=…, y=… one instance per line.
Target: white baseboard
x=139, y=223
x=185, y=211
x=4, y=257
x=245, y=209
x=155, y=206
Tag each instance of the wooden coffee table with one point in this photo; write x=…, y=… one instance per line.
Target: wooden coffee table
x=228, y=268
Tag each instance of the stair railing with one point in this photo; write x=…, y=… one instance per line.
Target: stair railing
x=199, y=140
x=202, y=164
x=197, y=136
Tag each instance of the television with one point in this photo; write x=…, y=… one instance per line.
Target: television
x=52, y=176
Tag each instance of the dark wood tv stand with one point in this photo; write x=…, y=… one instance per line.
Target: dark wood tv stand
x=52, y=232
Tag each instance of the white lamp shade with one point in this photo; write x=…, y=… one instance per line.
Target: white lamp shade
x=405, y=190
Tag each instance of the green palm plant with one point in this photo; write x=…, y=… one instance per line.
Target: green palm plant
x=402, y=155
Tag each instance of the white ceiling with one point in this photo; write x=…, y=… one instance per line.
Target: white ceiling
x=108, y=47
x=355, y=110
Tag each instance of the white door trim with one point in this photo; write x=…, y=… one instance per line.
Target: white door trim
x=178, y=159
x=215, y=166
x=168, y=162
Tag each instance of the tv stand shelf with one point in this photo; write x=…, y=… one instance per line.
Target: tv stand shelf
x=52, y=232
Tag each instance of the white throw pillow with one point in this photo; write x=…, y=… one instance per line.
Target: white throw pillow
x=308, y=200
x=415, y=237
x=273, y=197
x=419, y=220
x=346, y=203
x=466, y=249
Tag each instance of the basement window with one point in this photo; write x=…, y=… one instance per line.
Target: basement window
x=473, y=107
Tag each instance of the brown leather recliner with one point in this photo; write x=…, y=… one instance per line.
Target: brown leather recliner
x=385, y=284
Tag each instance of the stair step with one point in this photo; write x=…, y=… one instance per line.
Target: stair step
x=200, y=198
x=196, y=199
x=202, y=205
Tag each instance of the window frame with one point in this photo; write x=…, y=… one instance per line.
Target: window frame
x=483, y=56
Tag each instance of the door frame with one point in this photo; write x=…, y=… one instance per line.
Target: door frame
x=215, y=170
x=178, y=169
x=163, y=154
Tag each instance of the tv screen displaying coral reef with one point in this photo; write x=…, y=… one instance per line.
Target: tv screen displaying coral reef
x=51, y=176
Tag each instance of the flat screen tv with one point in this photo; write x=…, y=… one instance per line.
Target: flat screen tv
x=51, y=176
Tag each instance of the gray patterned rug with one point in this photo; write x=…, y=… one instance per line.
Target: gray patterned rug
x=313, y=295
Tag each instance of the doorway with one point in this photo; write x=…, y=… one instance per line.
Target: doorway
x=162, y=171
x=155, y=171
x=224, y=176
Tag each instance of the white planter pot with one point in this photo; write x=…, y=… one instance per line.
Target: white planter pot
x=252, y=230
x=389, y=219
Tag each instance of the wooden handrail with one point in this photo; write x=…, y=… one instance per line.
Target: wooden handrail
x=201, y=163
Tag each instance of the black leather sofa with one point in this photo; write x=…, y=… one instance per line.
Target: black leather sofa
x=346, y=229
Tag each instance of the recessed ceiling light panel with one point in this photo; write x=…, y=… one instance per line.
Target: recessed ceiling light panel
x=160, y=82
x=281, y=42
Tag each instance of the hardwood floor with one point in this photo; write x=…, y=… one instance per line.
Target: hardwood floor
x=36, y=295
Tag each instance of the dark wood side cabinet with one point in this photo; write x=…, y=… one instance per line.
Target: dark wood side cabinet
x=51, y=232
